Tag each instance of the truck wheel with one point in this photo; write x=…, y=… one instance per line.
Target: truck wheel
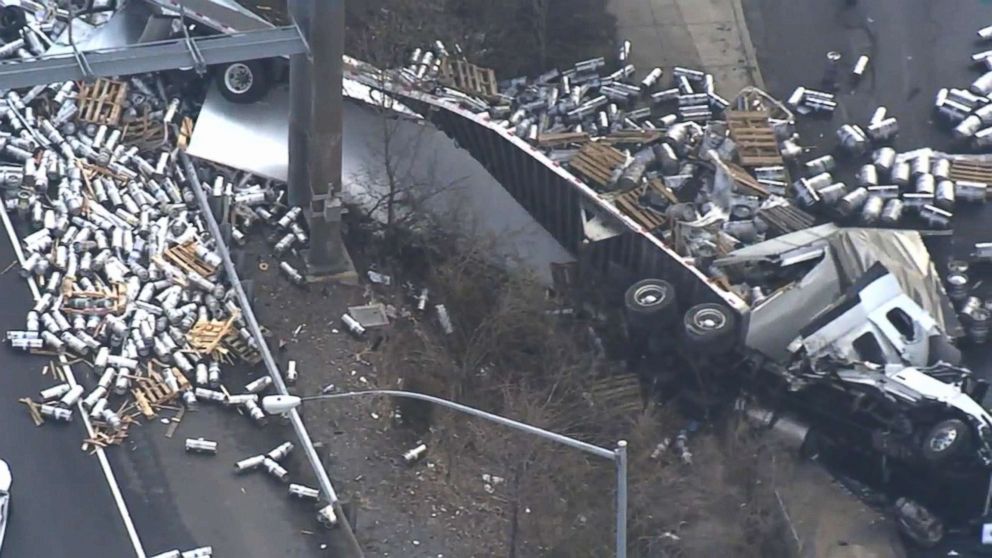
x=650, y=302
x=243, y=82
x=710, y=327
x=945, y=439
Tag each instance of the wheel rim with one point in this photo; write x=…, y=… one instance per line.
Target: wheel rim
x=238, y=78
x=709, y=319
x=650, y=295
x=943, y=439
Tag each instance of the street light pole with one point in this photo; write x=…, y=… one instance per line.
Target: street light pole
x=277, y=404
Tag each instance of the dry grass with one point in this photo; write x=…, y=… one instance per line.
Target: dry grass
x=511, y=356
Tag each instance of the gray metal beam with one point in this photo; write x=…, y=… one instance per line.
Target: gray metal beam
x=153, y=57
x=223, y=18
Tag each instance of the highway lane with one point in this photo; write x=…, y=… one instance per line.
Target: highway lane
x=61, y=503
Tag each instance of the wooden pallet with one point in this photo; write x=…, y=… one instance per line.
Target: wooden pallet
x=976, y=172
x=755, y=139
x=206, y=336
x=629, y=203
x=101, y=102
x=184, y=257
x=468, y=77
x=597, y=162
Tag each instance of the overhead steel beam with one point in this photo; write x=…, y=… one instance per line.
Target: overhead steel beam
x=154, y=57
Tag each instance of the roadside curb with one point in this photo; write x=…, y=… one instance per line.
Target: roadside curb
x=750, y=54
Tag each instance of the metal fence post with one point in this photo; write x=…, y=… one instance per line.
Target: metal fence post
x=621, y=460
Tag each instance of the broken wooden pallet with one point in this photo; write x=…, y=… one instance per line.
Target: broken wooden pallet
x=967, y=170
x=150, y=393
x=755, y=139
x=468, y=77
x=103, y=436
x=101, y=102
x=145, y=132
x=598, y=162
x=786, y=218
x=206, y=336
x=184, y=257
x=96, y=303
x=241, y=349
x=629, y=203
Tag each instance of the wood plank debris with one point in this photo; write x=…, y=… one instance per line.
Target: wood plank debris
x=971, y=171
x=629, y=203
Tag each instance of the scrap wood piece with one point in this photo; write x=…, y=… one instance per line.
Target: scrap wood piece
x=752, y=133
x=101, y=102
x=184, y=256
x=33, y=410
x=746, y=182
x=598, y=162
x=659, y=186
x=101, y=438
x=630, y=137
x=562, y=139
x=185, y=132
x=174, y=422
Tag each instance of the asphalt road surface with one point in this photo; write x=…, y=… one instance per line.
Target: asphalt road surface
x=61, y=504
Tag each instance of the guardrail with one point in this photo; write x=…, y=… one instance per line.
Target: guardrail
x=326, y=488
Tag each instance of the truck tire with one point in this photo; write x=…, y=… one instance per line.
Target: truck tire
x=243, y=82
x=709, y=327
x=650, y=302
x=945, y=440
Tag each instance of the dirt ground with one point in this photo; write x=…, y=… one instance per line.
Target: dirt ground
x=402, y=510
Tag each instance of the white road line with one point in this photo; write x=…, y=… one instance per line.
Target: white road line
x=100, y=454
